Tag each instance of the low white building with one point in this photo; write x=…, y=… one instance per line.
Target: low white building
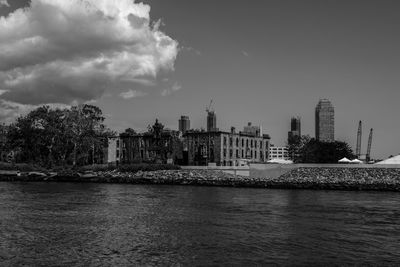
x=278, y=152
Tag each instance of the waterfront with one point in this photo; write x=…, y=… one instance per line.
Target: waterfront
x=122, y=224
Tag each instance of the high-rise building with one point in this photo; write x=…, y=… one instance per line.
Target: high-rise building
x=184, y=124
x=295, y=128
x=325, y=121
x=252, y=130
x=211, y=121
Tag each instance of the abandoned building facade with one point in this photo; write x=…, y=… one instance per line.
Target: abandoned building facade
x=225, y=148
x=156, y=146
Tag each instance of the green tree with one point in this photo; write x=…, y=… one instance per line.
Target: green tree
x=295, y=145
x=49, y=137
x=315, y=151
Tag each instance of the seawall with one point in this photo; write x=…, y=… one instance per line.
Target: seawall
x=278, y=176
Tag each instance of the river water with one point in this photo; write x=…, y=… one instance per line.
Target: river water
x=65, y=224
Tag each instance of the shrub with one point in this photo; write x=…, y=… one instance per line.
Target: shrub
x=130, y=167
x=24, y=167
x=147, y=167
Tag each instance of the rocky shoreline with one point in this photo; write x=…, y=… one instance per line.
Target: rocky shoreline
x=323, y=178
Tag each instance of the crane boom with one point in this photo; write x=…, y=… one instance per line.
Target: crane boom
x=359, y=133
x=368, y=156
x=209, y=108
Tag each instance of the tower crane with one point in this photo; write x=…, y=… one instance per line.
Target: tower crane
x=209, y=109
x=359, y=133
x=368, y=156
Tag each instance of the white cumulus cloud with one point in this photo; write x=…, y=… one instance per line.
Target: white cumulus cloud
x=175, y=87
x=58, y=51
x=132, y=94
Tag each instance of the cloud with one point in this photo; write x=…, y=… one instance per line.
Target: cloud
x=58, y=51
x=4, y=3
x=191, y=49
x=132, y=94
x=10, y=110
x=245, y=53
x=175, y=87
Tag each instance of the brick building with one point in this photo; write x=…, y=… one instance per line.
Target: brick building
x=225, y=148
x=158, y=145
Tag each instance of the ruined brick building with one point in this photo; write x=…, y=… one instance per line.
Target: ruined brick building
x=157, y=145
x=225, y=148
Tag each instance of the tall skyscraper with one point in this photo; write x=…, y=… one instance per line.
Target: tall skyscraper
x=295, y=128
x=325, y=121
x=211, y=121
x=184, y=124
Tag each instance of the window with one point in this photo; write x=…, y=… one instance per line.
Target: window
x=237, y=153
x=260, y=144
x=247, y=142
x=224, y=140
x=251, y=153
x=242, y=153
x=255, y=154
x=117, y=143
x=251, y=143
x=230, y=141
x=117, y=154
x=242, y=142
x=224, y=152
x=255, y=143
x=230, y=153
x=237, y=141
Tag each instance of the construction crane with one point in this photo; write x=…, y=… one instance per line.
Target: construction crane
x=368, y=156
x=359, y=133
x=209, y=108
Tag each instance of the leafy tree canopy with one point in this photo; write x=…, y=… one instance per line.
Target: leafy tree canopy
x=47, y=136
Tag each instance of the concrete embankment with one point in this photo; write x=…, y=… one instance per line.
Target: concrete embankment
x=379, y=179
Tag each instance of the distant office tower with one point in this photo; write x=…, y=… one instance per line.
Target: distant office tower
x=295, y=128
x=252, y=130
x=211, y=121
x=184, y=124
x=325, y=121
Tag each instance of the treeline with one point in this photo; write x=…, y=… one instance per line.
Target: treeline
x=58, y=137
x=304, y=149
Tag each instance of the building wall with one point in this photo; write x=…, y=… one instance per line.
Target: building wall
x=252, y=129
x=278, y=152
x=229, y=149
x=129, y=149
x=211, y=122
x=113, y=150
x=184, y=124
x=325, y=121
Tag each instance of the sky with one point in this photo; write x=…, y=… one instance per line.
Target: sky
x=260, y=61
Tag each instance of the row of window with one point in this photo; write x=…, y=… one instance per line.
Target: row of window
x=243, y=153
x=252, y=142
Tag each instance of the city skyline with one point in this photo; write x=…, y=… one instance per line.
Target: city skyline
x=264, y=62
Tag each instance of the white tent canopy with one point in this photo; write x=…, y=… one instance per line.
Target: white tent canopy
x=392, y=160
x=280, y=161
x=344, y=160
x=356, y=161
